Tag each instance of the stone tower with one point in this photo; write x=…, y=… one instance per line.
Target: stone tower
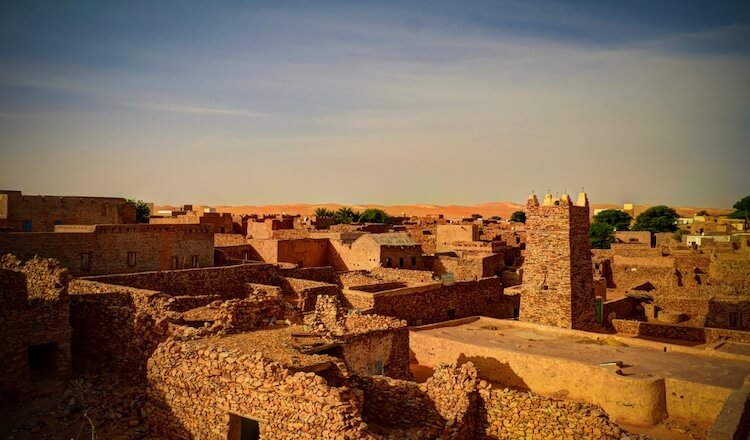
x=558, y=281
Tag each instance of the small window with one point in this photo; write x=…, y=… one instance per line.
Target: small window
x=174, y=263
x=734, y=319
x=86, y=262
x=57, y=222
x=26, y=225
x=131, y=259
x=388, y=262
x=222, y=229
x=42, y=361
x=401, y=262
x=377, y=367
x=413, y=261
x=451, y=313
x=194, y=261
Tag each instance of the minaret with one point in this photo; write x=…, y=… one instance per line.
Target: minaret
x=557, y=284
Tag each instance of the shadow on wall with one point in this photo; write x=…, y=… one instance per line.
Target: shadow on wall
x=494, y=371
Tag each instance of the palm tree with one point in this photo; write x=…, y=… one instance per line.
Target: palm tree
x=323, y=213
x=344, y=215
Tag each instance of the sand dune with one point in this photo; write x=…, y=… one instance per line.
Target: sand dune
x=489, y=209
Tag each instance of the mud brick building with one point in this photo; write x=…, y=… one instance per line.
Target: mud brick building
x=557, y=284
x=24, y=213
x=104, y=249
x=34, y=327
x=222, y=222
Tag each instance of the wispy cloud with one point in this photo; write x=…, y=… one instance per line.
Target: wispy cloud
x=202, y=110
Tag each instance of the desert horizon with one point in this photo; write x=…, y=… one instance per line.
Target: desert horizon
x=502, y=209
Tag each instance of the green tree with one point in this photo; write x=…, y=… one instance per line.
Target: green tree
x=742, y=208
x=657, y=219
x=142, y=212
x=518, y=216
x=601, y=235
x=615, y=218
x=323, y=213
x=344, y=215
x=495, y=217
x=374, y=215
x=476, y=216
x=702, y=212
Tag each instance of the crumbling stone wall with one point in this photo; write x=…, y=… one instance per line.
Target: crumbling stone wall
x=472, y=268
x=443, y=407
x=204, y=281
x=194, y=387
x=679, y=332
x=34, y=311
x=465, y=298
x=731, y=268
x=506, y=413
x=304, y=293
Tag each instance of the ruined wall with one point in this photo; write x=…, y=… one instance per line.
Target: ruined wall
x=206, y=281
x=440, y=303
x=472, y=268
x=679, y=332
x=104, y=249
x=558, y=280
x=620, y=308
x=194, y=387
x=45, y=212
x=304, y=293
x=371, y=340
x=506, y=413
x=444, y=407
x=732, y=268
x=116, y=327
x=34, y=310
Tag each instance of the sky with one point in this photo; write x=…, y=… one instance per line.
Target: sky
x=229, y=102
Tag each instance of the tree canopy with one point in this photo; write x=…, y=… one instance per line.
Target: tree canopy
x=374, y=215
x=657, y=219
x=323, y=212
x=601, y=235
x=614, y=218
x=346, y=215
x=142, y=212
x=518, y=216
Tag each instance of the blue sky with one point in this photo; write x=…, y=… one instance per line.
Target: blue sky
x=376, y=102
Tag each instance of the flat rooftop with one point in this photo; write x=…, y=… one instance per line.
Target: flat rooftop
x=275, y=343
x=639, y=357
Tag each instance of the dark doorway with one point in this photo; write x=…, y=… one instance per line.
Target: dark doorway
x=241, y=428
x=451, y=313
x=42, y=363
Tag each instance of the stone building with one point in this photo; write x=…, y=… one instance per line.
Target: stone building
x=362, y=251
x=104, y=249
x=35, y=327
x=557, y=284
x=222, y=222
x=24, y=213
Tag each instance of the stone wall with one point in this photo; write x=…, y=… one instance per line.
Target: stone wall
x=733, y=268
x=34, y=326
x=621, y=308
x=440, y=303
x=507, y=413
x=44, y=212
x=206, y=281
x=194, y=389
x=470, y=268
x=304, y=293
x=680, y=332
x=105, y=249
